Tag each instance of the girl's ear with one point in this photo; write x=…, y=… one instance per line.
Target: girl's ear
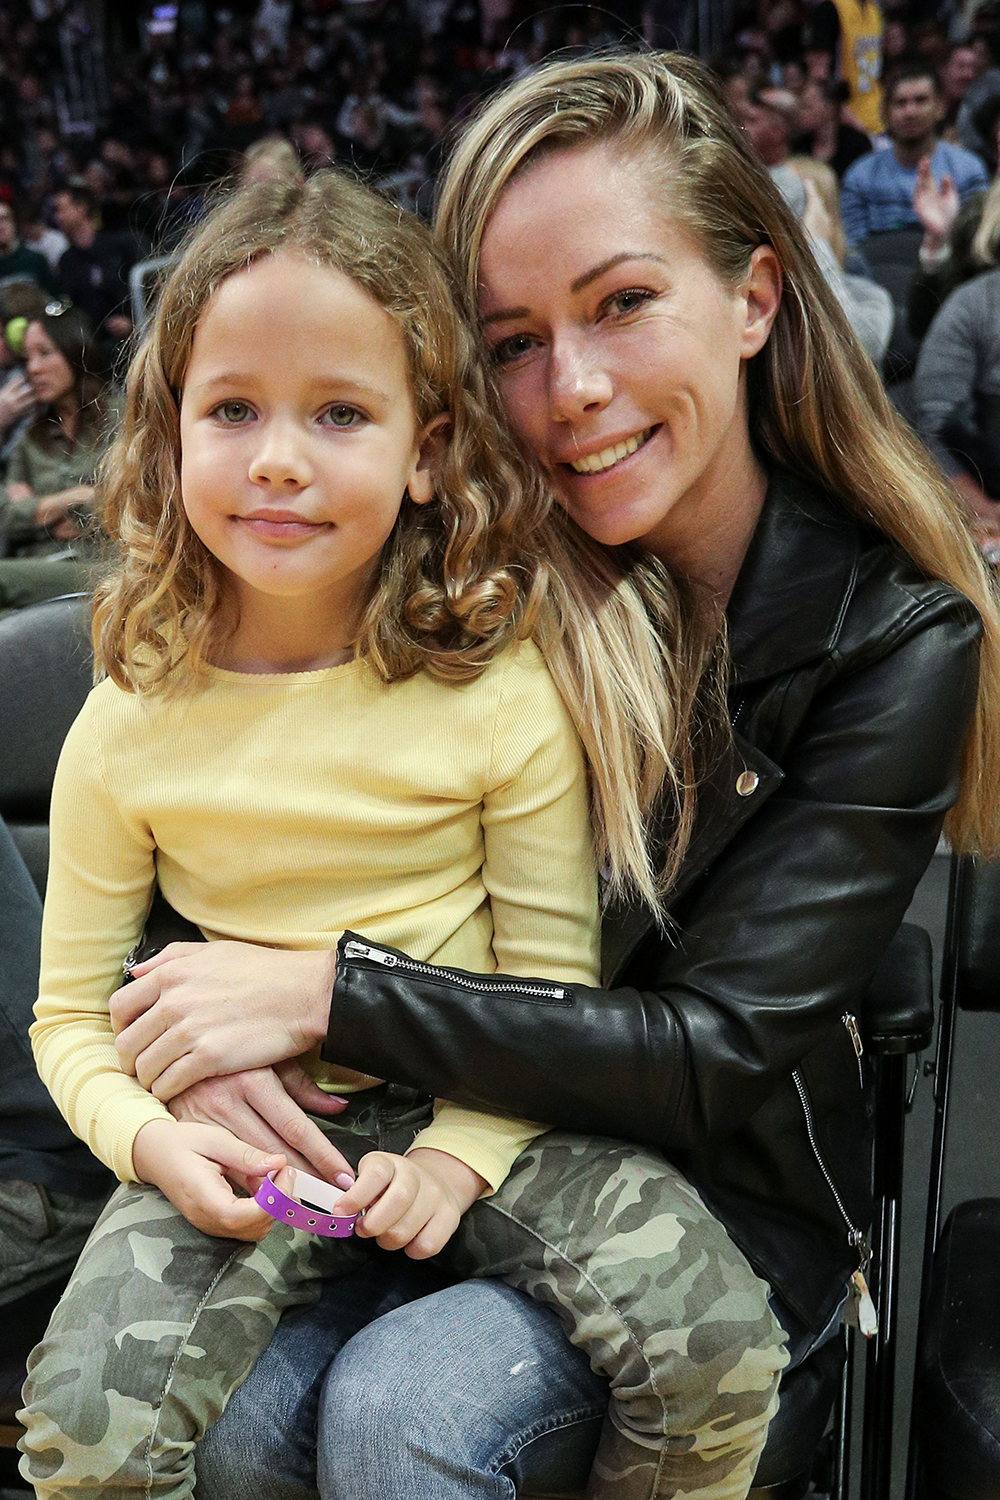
x=430, y=450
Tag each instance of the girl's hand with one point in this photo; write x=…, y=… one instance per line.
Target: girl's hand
x=413, y=1202
x=192, y=1165
x=267, y=1108
x=198, y=1010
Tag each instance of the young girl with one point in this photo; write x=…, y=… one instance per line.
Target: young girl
x=319, y=714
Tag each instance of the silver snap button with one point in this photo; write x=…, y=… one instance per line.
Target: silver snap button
x=747, y=783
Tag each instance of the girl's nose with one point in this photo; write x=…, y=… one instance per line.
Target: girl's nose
x=578, y=383
x=280, y=461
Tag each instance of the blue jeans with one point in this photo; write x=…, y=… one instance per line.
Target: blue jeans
x=469, y=1391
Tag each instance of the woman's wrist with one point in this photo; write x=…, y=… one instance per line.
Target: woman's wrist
x=321, y=995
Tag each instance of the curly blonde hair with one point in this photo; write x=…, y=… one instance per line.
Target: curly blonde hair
x=459, y=579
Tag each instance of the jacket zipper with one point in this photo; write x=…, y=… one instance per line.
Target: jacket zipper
x=354, y=949
x=852, y=1031
x=855, y=1237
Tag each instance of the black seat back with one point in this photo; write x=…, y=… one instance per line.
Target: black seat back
x=45, y=675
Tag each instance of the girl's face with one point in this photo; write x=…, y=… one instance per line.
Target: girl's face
x=620, y=355
x=298, y=432
x=49, y=371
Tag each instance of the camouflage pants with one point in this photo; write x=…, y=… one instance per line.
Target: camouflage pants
x=161, y=1323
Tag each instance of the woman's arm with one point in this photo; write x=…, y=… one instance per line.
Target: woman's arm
x=777, y=940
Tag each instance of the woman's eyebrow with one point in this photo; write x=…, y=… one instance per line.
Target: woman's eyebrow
x=508, y=314
x=609, y=265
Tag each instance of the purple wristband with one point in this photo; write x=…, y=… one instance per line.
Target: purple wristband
x=302, y=1215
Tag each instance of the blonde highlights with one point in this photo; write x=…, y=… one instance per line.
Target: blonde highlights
x=817, y=408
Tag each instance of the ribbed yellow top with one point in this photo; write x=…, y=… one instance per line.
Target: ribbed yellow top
x=449, y=820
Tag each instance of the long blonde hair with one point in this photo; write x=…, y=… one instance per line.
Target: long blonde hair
x=816, y=404
x=491, y=560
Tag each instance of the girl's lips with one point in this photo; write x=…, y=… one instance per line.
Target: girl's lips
x=281, y=528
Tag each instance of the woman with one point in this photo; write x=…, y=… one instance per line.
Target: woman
x=666, y=347
x=46, y=503
x=824, y=136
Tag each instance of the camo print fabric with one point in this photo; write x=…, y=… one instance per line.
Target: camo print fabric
x=161, y=1323
x=642, y=1277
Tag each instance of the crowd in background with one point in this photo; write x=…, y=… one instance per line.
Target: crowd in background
x=880, y=127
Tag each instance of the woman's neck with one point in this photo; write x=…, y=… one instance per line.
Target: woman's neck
x=705, y=537
x=67, y=410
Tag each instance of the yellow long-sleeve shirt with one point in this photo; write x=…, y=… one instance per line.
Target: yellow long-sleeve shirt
x=446, y=819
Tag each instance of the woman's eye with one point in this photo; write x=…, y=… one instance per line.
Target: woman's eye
x=233, y=412
x=511, y=349
x=342, y=416
x=628, y=301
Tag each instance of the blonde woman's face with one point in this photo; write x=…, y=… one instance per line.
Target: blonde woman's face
x=619, y=353
x=298, y=432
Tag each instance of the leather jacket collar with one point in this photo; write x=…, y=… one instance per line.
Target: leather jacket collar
x=803, y=548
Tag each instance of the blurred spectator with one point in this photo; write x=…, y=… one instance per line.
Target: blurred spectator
x=18, y=262
x=822, y=133
x=878, y=189
x=51, y=1187
x=20, y=301
x=957, y=391
x=768, y=115
x=868, y=308
x=962, y=68
x=94, y=270
x=847, y=34
x=270, y=159
x=46, y=505
x=39, y=235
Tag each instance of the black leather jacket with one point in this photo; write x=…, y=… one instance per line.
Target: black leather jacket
x=723, y=1041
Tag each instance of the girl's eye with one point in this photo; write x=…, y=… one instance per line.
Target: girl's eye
x=342, y=416
x=509, y=350
x=234, y=412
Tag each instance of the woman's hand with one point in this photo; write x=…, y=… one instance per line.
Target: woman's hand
x=267, y=1108
x=16, y=398
x=197, y=1010
x=52, y=509
x=193, y=1165
x=412, y=1202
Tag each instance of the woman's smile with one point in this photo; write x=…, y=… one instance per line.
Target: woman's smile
x=612, y=456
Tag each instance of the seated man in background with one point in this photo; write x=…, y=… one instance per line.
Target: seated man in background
x=51, y=1187
x=877, y=191
x=18, y=262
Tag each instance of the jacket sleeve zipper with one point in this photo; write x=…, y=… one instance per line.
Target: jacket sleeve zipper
x=485, y=985
x=864, y=1313
x=855, y=1236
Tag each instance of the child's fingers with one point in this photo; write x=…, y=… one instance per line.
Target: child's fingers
x=433, y=1237
x=375, y=1173
x=209, y=1203
x=391, y=1209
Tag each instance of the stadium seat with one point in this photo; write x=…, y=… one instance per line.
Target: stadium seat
x=45, y=674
